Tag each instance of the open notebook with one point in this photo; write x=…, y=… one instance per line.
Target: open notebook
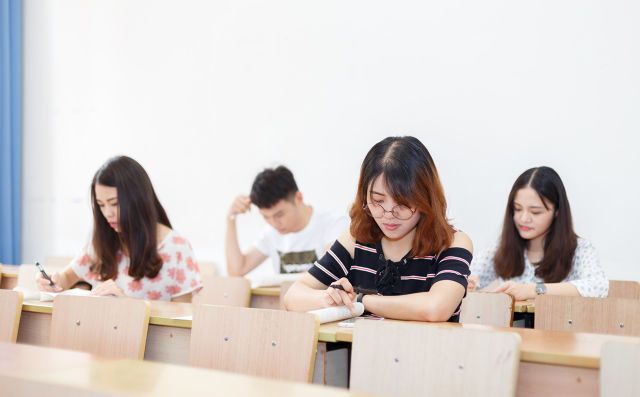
x=44, y=296
x=325, y=315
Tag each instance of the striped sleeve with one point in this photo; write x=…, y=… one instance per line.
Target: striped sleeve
x=453, y=264
x=333, y=265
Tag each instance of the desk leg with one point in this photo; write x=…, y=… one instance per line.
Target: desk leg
x=34, y=328
x=332, y=365
x=536, y=379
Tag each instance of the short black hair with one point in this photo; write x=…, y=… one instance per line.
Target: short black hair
x=272, y=185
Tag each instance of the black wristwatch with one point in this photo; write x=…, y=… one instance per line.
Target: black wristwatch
x=359, y=298
x=541, y=288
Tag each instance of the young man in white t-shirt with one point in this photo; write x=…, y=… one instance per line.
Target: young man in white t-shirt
x=296, y=235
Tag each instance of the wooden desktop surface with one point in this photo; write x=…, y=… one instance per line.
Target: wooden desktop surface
x=576, y=349
x=78, y=374
x=539, y=346
x=524, y=306
x=16, y=357
x=9, y=277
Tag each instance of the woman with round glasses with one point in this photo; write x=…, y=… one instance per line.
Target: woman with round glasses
x=400, y=245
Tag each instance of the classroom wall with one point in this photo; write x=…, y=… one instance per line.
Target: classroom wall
x=205, y=94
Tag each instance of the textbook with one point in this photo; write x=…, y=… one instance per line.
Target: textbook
x=45, y=296
x=337, y=313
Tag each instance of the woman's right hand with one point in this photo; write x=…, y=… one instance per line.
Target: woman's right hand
x=43, y=284
x=339, y=297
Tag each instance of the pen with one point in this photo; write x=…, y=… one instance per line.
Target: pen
x=357, y=290
x=45, y=275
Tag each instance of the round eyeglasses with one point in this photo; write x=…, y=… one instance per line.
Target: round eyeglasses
x=399, y=211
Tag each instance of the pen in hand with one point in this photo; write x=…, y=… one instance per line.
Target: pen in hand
x=46, y=276
x=357, y=290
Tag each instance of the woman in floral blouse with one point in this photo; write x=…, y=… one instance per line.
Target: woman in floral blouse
x=134, y=251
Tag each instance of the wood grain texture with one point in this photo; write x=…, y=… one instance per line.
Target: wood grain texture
x=535, y=380
x=620, y=369
x=228, y=291
x=10, y=312
x=624, y=289
x=408, y=359
x=615, y=316
x=8, y=276
x=146, y=378
x=110, y=327
x=487, y=308
x=270, y=343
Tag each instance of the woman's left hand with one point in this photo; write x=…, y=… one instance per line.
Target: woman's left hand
x=108, y=287
x=519, y=291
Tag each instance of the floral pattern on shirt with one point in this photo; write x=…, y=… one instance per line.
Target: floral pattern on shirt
x=178, y=276
x=586, y=272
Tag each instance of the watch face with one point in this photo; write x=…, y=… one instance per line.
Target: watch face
x=541, y=289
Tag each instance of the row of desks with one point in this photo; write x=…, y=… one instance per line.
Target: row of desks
x=553, y=362
x=35, y=371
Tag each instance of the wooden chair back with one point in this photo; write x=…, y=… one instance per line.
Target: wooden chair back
x=227, y=291
x=262, y=342
x=284, y=287
x=10, y=311
x=624, y=289
x=207, y=268
x=619, y=369
x=487, y=308
x=596, y=315
x=107, y=326
x=411, y=359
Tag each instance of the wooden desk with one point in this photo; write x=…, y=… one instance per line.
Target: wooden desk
x=265, y=298
x=524, y=310
x=524, y=306
x=168, y=338
x=19, y=358
x=80, y=374
x=9, y=277
x=553, y=362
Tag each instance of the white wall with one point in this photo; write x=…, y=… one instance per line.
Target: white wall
x=205, y=94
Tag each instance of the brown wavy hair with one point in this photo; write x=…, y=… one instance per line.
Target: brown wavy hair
x=560, y=241
x=412, y=180
x=140, y=212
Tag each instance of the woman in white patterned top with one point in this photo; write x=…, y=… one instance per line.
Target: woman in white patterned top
x=133, y=251
x=538, y=251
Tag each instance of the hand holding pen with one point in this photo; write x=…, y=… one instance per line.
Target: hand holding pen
x=44, y=282
x=340, y=293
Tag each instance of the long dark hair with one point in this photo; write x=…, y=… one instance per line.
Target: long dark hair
x=140, y=212
x=412, y=179
x=560, y=241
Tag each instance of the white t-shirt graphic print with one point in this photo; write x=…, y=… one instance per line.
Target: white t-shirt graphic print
x=296, y=252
